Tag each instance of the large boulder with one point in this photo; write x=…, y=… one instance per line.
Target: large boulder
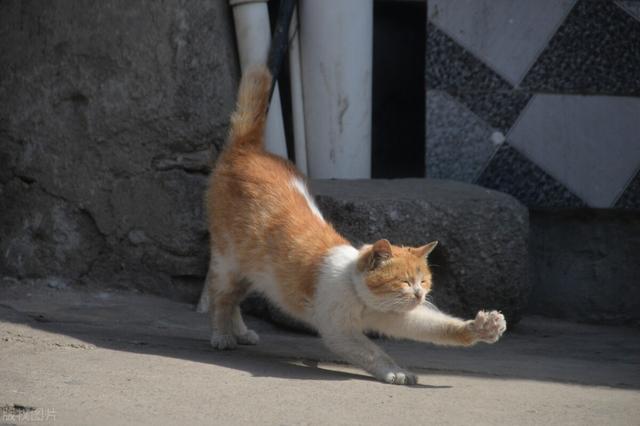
x=481, y=261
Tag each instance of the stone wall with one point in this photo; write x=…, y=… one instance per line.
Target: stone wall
x=109, y=113
x=538, y=99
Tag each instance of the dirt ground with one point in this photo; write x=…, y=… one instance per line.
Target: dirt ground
x=102, y=358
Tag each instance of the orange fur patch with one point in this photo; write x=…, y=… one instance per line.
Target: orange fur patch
x=252, y=205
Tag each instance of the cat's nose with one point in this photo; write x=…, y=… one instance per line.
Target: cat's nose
x=419, y=293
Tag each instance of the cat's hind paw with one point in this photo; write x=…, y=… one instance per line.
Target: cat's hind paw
x=488, y=326
x=223, y=342
x=248, y=338
x=400, y=377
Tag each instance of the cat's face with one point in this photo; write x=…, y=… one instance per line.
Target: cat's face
x=393, y=278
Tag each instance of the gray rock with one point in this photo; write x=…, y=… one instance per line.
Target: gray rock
x=111, y=113
x=481, y=261
x=585, y=265
x=42, y=235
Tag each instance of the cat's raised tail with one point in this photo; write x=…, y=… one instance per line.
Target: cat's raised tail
x=249, y=119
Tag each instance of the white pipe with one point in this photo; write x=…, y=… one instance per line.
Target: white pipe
x=297, y=105
x=337, y=50
x=253, y=36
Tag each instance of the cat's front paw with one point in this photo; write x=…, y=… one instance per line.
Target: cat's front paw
x=399, y=377
x=488, y=326
x=223, y=342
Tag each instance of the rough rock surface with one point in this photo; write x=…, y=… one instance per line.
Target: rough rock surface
x=109, y=113
x=585, y=265
x=481, y=261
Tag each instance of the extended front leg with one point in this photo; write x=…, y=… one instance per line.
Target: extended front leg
x=427, y=325
x=358, y=350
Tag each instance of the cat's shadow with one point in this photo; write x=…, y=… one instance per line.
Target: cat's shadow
x=323, y=373
x=261, y=361
x=259, y=365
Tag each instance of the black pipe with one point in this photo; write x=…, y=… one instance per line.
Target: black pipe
x=280, y=40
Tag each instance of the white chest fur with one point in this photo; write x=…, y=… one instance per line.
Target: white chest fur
x=336, y=305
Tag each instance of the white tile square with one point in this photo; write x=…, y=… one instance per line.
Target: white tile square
x=591, y=144
x=507, y=35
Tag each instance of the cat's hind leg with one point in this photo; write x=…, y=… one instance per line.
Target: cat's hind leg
x=243, y=335
x=223, y=300
x=226, y=291
x=203, y=303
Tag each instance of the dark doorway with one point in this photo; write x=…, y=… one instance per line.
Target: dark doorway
x=398, y=121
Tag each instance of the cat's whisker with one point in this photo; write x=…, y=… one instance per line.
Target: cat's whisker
x=430, y=305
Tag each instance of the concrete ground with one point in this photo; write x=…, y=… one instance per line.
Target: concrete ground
x=76, y=357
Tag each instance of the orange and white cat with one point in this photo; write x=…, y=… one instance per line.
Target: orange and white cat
x=268, y=235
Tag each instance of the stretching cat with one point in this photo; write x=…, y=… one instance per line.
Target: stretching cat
x=268, y=235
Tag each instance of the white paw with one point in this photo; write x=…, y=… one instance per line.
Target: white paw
x=399, y=377
x=488, y=326
x=248, y=338
x=223, y=342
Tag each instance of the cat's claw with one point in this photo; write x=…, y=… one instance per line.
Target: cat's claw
x=488, y=326
x=223, y=342
x=400, y=378
x=248, y=338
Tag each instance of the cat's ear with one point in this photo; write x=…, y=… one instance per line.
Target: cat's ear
x=380, y=251
x=425, y=249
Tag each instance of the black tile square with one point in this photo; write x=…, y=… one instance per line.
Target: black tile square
x=452, y=68
x=595, y=51
x=630, y=197
x=511, y=172
x=499, y=109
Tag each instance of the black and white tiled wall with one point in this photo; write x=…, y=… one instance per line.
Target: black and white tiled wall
x=536, y=98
